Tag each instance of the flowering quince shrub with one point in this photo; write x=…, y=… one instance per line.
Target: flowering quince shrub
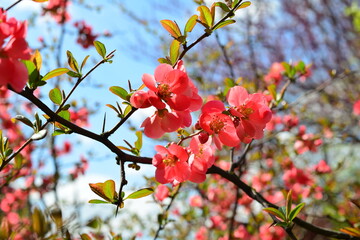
x=248, y=160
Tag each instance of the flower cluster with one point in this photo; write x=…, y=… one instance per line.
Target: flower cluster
x=57, y=9
x=245, y=120
x=85, y=35
x=174, y=96
x=13, y=48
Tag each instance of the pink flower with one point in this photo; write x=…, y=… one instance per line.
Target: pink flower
x=57, y=9
x=356, y=108
x=275, y=74
x=219, y=125
x=164, y=121
x=322, y=167
x=267, y=232
x=196, y=201
x=161, y=192
x=201, y=158
x=251, y=112
x=85, y=35
x=140, y=99
x=171, y=164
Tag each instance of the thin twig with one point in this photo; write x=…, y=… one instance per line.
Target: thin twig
x=12, y=5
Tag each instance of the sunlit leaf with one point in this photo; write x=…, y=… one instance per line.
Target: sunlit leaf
x=72, y=62
x=109, y=189
x=223, y=6
x=55, y=96
x=39, y=224
x=288, y=204
x=174, y=51
x=275, y=212
x=84, y=62
x=171, y=27
x=100, y=48
x=244, y=5
x=65, y=115
x=40, y=0
x=225, y=23
x=85, y=236
x=138, y=143
x=55, y=73
x=190, y=24
x=296, y=211
x=205, y=16
x=24, y=120
x=140, y=193
x=36, y=59
x=119, y=91
x=97, y=201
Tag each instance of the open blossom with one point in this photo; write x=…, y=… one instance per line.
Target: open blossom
x=13, y=48
x=275, y=74
x=161, y=192
x=251, y=112
x=174, y=96
x=171, y=164
x=202, y=157
x=219, y=125
x=57, y=9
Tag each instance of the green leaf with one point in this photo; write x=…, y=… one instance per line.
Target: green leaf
x=127, y=110
x=272, y=89
x=55, y=96
x=300, y=67
x=296, y=211
x=84, y=236
x=84, y=62
x=24, y=120
x=223, y=6
x=171, y=27
x=39, y=135
x=288, y=204
x=72, y=62
x=119, y=91
x=109, y=189
x=234, y=3
x=138, y=143
x=97, y=201
x=244, y=5
x=73, y=74
x=174, y=51
x=65, y=115
x=275, y=212
x=58, y=132
x=140, y=193
x=164, y=60
x=225, y=23
x=190, y=24
x=37, y=59
x=55, y=73
x=100, y=48
x=205, y=16
x=34, y=75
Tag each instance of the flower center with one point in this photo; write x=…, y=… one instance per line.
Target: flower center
x=217, y=125
x=164, y=91
x=170, y=160
x=244, y=111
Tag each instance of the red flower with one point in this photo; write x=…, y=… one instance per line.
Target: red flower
x=161, y=192
x=275, y=74
x=171, y=164
x=219, y=125
x=356, y=108
x=250, y=111
x=13, y=71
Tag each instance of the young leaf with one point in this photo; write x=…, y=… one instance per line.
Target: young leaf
x=109, y=190
x=164, y=60
x=138, y=143
x=24, y=120
x=295, y=211
x=244, y=5
x=225, y=23
x=58, y=132
x=34, y=74
x=288, y=204
x=97, y=201
x=190, y=24
x=100, y=48
x=36, y=59
x=205, y=16
x=275, y=212
x=351, y=231
x=171, y=27
x=84, y=62
x=119, y=91
x=98, y=188
x=140, y=193
x=85, y=236
x=72, y=62
x=174, y=51
x=55, y=73
x=65, y=115
x=55, y=96
x=223, y=6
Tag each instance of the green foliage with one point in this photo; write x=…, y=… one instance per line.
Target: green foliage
x=100, y=48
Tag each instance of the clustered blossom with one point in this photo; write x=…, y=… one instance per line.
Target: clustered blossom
x=174, y=96
x=13, y=49
x=58, y=10
x=274, y=75
x=306, y=141
x=85, y=35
